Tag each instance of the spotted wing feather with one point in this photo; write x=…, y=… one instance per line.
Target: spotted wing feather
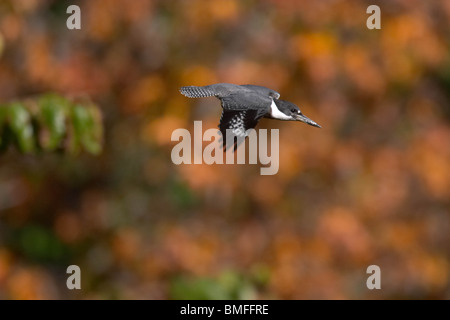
x=197, y=92
x=237, y=122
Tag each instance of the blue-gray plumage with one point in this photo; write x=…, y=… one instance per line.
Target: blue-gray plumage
x=244, y=105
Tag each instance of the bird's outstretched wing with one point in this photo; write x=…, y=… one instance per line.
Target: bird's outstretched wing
x=218, y=90
x=262, y=90
x=250, y=100
x=236, y=123
x=197, y=92
x=240, y=113
x=221, y=90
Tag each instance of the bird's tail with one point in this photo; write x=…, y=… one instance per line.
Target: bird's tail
x=196, y=92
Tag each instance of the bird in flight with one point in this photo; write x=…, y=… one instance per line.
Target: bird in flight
x=244, y=105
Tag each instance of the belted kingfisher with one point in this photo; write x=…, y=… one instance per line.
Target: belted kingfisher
x=244, y=105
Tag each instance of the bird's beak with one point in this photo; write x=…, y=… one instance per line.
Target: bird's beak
x=302, y=118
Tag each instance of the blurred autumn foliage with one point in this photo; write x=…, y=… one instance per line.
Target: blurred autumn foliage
x=371, y=187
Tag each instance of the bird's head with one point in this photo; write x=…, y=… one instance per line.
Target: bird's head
x=292, y=112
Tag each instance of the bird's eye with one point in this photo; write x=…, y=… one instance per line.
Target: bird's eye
x=293, y=110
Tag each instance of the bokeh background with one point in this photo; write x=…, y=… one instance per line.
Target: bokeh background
x=371, y=187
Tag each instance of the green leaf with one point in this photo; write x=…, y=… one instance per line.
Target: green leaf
x=20, y=124
x=198, y=289
x=52, y=117
x=228, y=285
x=39, y=244
x=87, y=128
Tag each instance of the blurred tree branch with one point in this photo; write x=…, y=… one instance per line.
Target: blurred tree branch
x=51, y=123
